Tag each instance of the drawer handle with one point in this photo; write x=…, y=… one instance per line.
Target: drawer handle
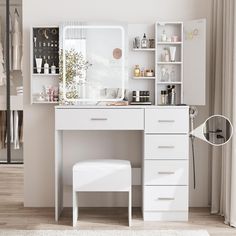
x=98, y=118
x=166, y=147
x=166, y=199
x=166, y=172
x=166, y=121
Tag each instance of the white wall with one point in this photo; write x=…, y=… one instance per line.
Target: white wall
x=39, y=119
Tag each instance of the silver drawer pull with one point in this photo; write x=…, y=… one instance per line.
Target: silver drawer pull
x=166, y=121
x=166, y=172
x=166, y=199
x=98, y=118
x=166, y=147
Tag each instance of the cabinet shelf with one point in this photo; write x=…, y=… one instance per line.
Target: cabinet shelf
x=171, y=82
x=44, y=102
x=41, y=74
x=169, y=63
x=169, y=43
x=144, y=49
x=145, y=77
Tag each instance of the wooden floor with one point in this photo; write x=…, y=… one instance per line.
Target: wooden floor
x=14, y=216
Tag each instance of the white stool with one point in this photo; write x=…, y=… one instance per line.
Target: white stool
x=103, y=175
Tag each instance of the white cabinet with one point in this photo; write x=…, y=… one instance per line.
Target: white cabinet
x=165, y=174
x=188, y=40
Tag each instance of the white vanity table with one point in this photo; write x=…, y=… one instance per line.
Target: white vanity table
x=165, y=151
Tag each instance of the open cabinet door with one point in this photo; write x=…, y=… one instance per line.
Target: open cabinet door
x=194, y=62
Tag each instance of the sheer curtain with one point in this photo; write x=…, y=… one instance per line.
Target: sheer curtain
x=223, y=91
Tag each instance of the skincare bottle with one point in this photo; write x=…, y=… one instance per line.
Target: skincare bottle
x=164, y=97
x=46, y=68
x=137, y=71
x=38, y=64
x=144, y=42
x=53, y=69
x=142, y=72
x=163, y=36
x=166, y=55
x=172, y=53
x=173, y=96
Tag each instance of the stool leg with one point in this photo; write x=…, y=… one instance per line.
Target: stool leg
x=75, y=208
x=130, y=208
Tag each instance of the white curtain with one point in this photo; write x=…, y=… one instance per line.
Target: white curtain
x=223, y=91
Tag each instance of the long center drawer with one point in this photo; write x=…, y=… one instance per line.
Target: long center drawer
x=99, y=119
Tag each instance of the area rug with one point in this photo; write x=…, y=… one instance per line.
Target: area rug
x=104, y=233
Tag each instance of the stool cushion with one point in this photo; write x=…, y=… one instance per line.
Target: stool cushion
x=102, y=175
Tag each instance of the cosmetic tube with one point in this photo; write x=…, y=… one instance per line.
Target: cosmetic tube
x=39, y=64
x=172, y=53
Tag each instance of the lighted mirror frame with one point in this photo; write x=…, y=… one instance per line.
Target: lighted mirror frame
x=68, y=27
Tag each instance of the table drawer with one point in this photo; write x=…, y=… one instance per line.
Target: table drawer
x=168, y=172
x=99, y=119
x=165, y=198
x=169, y=120
x=166, y=146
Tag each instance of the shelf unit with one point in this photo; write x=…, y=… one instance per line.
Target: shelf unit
x=170, y=29
x=141, y=54
x=44, y=44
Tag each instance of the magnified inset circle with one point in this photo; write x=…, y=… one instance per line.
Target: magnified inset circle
x=217, y=130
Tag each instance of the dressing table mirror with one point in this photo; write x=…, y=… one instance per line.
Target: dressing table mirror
x=92, y=63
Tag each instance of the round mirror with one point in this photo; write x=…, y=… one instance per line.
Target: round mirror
x=217, y=130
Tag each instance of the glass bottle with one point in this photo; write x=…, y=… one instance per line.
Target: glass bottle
x=163, y=71
x=144, y=42
x=172, y=75
x=137, y=71
x=163, y=36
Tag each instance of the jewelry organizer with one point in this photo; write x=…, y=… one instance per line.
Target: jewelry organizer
x=46, y=46
x=44, y=42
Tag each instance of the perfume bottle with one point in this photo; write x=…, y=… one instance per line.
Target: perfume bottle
x=144, y=42
x=137, y=71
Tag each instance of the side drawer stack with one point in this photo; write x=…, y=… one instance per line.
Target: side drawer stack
x=165, y=174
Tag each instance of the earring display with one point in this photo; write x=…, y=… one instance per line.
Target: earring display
x=45, y=50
